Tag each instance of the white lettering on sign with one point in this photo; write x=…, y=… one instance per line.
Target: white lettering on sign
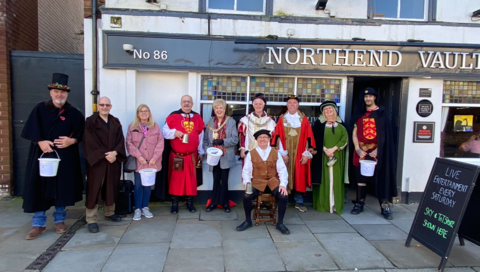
x=157, y=54
x=442, y=60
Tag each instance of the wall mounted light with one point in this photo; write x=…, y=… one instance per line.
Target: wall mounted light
x=476, y=13
x=128, y=48
x=358, y=39
x=414, y=40
x=290, y=32
x=321, y=4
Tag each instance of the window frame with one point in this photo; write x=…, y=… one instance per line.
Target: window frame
x=248, y=102
x=429, y=12
x=235, y=11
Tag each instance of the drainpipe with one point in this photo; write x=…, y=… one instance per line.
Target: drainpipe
x=94, y=91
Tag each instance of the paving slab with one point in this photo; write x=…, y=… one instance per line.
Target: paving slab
x=183, y=213
x=415, y=256
x=476, y=268
x=305, y=256
x=312, y=214
x=366, y=217
x=363, y=270
x=197, y=234
x=403, y=221
x=292, y=217
x=16, y=218
x=194, y=259
x=16, y=261
x=144, y=257
x=108, y=237
x=91, y=260
x=350, y=251
x=433, y=269
x=229, y=231
x=149, y=231
x=218, y=215
x=380, y=232
x=413, y=207
x=468, y=255
x=397, y=208
x=259, y=254
x=328, y=226
x=298, y=233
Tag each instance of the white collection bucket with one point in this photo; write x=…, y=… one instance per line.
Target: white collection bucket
x=213, y=155
x=48, y=166
x=148, y=176
x=367, y=167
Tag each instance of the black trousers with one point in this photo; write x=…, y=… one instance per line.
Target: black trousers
x=282, y=203
x=220, y=186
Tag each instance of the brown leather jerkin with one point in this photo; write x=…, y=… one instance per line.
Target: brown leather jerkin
x=264, y=172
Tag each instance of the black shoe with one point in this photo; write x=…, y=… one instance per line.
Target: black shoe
x=122, y=215
x=358, y=208
x=387, y=213
x=245, y=225
x=190, y=206
x=210, y=208
x=282, y=229
x=174, y=209
x=93, y=228
x=227, y=208
x=114, y=218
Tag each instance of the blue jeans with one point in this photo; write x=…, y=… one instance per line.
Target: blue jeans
x=40, y=219
x=298, y=198
x=141, y=193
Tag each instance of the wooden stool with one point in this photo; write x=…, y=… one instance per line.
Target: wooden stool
x=257, y=212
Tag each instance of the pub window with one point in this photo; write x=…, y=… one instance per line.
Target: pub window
x=237, y=6
x=400, y=9
x=460, y=130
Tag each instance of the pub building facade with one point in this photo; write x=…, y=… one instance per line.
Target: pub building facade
x=423, y=58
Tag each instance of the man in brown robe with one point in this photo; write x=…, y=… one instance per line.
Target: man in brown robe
x=104, y=149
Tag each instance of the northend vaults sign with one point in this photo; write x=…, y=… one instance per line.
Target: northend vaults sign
x=370, y=58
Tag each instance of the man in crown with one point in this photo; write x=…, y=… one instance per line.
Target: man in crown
x=184, y=129
x=54, y=128
x=373, y=140
x=253, y=122
x=295, y=146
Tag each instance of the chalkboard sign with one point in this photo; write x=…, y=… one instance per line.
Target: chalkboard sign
x=443, y=205
x=469, y=229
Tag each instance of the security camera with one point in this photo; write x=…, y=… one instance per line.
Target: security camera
x=128, y=48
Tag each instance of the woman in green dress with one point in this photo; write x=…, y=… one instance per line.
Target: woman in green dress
x=328, y=166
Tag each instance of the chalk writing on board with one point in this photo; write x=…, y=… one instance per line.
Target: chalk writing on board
x=440, y=218
x=449, y=188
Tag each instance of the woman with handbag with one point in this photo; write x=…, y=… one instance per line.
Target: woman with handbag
x=145, y=144
x=221, y=133
x=328, y=164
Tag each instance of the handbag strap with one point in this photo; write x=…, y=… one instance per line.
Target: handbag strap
x=143, y=137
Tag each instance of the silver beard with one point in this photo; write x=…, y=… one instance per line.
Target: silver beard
x=60, y=102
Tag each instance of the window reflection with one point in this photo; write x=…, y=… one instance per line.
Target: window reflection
x=458, y=136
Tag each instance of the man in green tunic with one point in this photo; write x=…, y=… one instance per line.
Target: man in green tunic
x=328, y=166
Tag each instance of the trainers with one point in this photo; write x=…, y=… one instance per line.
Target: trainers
x=137, y=215
x=300, y=207
x=146, y=212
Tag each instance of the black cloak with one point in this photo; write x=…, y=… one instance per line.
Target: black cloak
x=47, y=122
x=386, y=168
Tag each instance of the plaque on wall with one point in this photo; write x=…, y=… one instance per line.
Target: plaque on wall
x=423, y=132
x=425, y=92
x=424, y=108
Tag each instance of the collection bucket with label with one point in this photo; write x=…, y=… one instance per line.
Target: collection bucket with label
x=48, y=166
x=148, y=176
x=367, y=167
x=213, y=155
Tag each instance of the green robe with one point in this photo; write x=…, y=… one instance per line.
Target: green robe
x=321, y=193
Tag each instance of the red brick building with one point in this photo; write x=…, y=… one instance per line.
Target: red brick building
x=44, y=25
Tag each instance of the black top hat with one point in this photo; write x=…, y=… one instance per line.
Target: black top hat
x=60, y=82
x=292, y=97
x=260, y=132
x=370, y=90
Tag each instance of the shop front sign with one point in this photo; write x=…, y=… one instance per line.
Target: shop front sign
x=423, y=132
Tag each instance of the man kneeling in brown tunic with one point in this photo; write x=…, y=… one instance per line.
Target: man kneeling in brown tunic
x=267, y=172
x=104, y=150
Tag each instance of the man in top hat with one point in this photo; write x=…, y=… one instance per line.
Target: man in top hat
x=253, y=122
x=296, y=141
x=373, y=140
x=104, y=150
x=267, y=172
x=184, y=129
x=53, y=125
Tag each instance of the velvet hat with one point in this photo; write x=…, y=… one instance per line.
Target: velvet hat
x=60, y=82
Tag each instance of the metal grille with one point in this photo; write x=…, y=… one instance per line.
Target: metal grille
x=461, y=91
x=229, y=88
x=275, y=89
x=319, y=89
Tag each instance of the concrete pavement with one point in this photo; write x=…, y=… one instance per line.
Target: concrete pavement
x=209, y=242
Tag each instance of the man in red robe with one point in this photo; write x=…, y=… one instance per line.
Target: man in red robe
x=183, y=156
x=295, y=145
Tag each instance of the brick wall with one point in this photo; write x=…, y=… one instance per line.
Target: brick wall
x=60, y=26
x=87, y=8
x=18, y=31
